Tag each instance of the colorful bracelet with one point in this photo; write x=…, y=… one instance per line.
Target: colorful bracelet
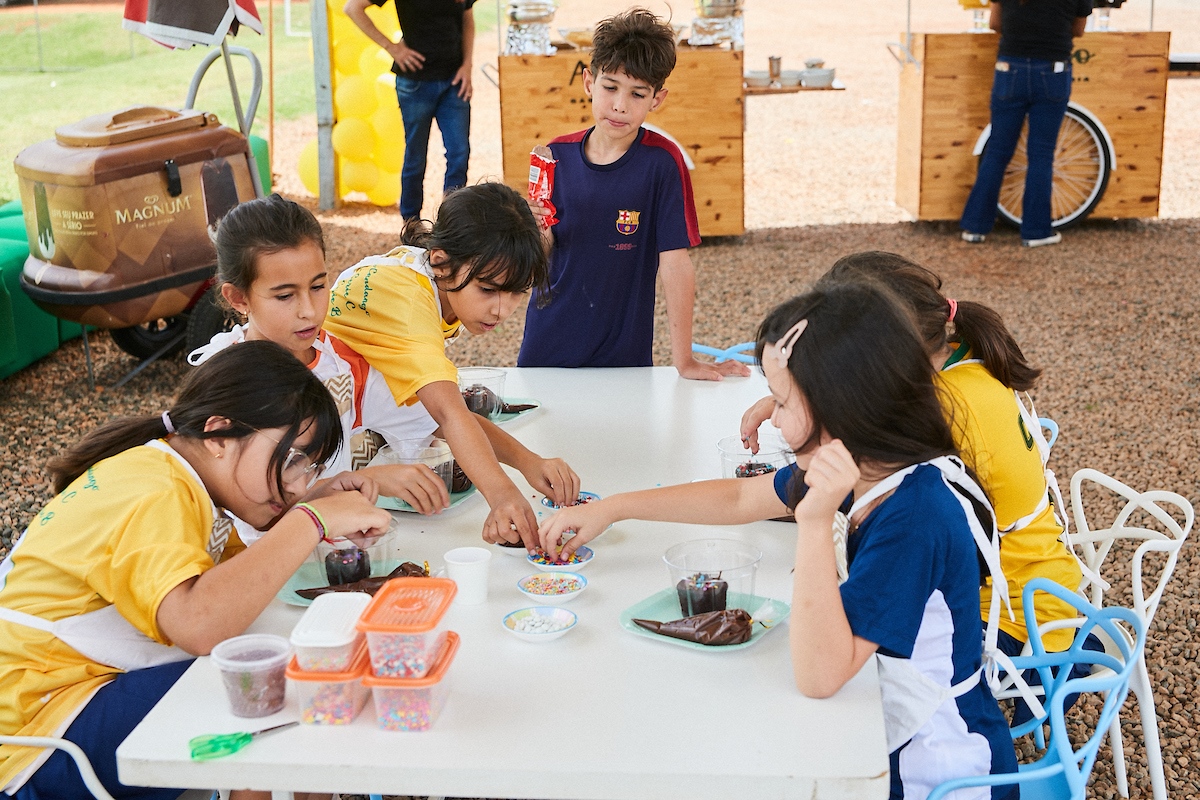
x=317, y=520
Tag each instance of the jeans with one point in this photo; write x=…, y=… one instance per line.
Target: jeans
x=1032, y=88
x=421, y=102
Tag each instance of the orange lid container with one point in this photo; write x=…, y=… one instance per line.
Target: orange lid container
x=445, y=658
x=408, y=605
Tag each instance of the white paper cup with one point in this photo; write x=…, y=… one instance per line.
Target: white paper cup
x=468, y=567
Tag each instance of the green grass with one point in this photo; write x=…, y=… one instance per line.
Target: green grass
x=94, y=65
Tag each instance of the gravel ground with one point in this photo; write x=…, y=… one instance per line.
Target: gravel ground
x=1095, y=312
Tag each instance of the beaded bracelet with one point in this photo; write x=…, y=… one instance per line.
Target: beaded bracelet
x=317, y=519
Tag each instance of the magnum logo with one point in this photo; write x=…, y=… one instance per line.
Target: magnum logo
x=155, y=207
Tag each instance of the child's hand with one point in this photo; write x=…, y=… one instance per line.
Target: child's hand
x=704, y=371
x=350, y=515
x=553, y=478
x=753, y=419
x=346, y=482
x=831, y=475
x=415, y=484
x=511, y=520
x=587, y=522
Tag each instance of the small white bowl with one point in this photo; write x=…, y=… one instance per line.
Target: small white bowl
x=585, y=554
x=569, y=579
x=559, y=615
x=757, y=78
x=584, y=497
x=518, y=551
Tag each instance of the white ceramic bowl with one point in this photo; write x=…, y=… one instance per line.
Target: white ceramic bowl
x=572, y=583
x=817, y=78
x=585, y=554
x=561, y=616
x=584, y=497
x=757, y=78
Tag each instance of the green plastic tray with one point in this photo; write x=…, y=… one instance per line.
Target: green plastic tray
x=664, y=607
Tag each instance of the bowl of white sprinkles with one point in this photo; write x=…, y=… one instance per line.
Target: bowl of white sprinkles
x=540, y=623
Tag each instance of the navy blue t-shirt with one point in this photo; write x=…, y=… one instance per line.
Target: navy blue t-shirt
x=614, y=221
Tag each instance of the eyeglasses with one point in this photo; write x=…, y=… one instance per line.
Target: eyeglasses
x=297, y=466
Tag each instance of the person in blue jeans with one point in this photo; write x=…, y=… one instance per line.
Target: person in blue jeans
x=1032, y=79
x=433, y=82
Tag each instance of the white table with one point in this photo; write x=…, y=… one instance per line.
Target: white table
x=600, y=713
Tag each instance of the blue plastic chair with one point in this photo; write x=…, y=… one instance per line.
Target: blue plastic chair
x=735, y=353
x=1051, y=429
x=1062, y=772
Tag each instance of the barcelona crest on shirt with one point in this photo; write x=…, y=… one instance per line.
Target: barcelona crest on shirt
x=627, y=221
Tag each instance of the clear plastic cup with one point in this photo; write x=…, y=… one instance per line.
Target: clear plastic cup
x=483, y=390
x=738, y=462
x=713, y=574
x=253, y=668
x=430, y=451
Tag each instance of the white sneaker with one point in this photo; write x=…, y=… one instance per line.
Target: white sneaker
x=1053, y=238
x=973, y=238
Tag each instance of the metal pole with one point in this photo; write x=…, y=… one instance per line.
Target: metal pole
x=37, y=24
x=270, y=89
x=237, y=101
x=1151, y=14
x=323, y=78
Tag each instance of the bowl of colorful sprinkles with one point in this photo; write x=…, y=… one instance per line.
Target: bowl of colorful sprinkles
x=540, y=623
x=552, y=588
x=584, y=497
x=576, y=561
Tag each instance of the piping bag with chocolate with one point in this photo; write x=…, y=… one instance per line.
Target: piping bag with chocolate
x=541, y=182
x=369, y=585
x=732, y=626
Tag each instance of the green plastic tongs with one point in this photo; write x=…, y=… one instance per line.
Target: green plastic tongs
x=216, y=745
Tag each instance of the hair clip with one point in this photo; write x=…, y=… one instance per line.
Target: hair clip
x=788, y=341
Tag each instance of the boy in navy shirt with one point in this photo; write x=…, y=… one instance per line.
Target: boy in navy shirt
x=624, y=201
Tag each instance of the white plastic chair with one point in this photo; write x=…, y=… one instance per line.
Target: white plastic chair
x=73, y=750
x=1093, y=545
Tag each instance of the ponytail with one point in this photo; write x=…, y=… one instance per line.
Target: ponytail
x=255, y=385
x=919, y=289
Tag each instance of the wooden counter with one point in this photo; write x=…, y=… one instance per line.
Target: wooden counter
x=1121, y=77
x=542, y=97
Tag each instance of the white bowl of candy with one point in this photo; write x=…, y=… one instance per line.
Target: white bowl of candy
x=552, y=588
x=540, y=560
x=584, y=498
x=540, y=623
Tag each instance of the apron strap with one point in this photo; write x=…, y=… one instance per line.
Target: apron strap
x=27, y=620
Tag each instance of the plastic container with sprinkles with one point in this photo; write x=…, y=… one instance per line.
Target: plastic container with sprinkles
x=404, y=625
x=413, y=704
x=331, y=698
x=326, y=639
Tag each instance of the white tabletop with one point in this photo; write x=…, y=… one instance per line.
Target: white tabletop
x=600, y=713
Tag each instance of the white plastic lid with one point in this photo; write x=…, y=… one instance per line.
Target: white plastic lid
x=329, y=621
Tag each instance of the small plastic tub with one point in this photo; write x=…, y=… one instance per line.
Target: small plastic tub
x=413, y=704
x=326, y=639
x=404, y=625
x=253, y=669
x=331, y=698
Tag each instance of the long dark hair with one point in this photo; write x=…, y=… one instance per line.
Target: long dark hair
x=981, y=328
x=489, y=229
x=863, y=374
x=258, y=227
x=255, y=385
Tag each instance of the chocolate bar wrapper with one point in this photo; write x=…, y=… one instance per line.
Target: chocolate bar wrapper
x=714, y=628
x=541, y=181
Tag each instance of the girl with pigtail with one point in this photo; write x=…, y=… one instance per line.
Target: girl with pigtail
x=126, y=574
x=981, y=372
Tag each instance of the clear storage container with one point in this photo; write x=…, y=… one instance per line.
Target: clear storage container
x=413, y=704
x=326, y=639
x=331, y=698
x=404, y=625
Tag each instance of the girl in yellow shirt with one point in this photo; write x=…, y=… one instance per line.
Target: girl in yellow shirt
x=126, y=573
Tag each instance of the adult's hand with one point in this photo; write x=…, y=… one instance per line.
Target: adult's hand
x=407, y=59
x=462, y=79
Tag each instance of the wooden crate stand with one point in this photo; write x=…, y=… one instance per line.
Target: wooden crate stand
x=1121, y=77
x=542, y=97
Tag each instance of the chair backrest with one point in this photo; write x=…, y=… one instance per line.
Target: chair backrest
x=1095, y=543
x=1064, y=765
x=81, y=760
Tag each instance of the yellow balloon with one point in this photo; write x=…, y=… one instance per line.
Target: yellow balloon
x=341, y=27
x=389, y=128
x=353, y=138
x=374, y=61
x=358, y=176
x=385, y=91
x=309, y=169
x=387, y=189
x=389, y=156
x=355, y=97
x=385, y=19
x=348, y=50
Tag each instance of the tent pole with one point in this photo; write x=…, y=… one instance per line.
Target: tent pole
x=323, y=78
x=270, y=88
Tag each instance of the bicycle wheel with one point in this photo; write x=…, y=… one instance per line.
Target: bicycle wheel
x=1082, y=164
